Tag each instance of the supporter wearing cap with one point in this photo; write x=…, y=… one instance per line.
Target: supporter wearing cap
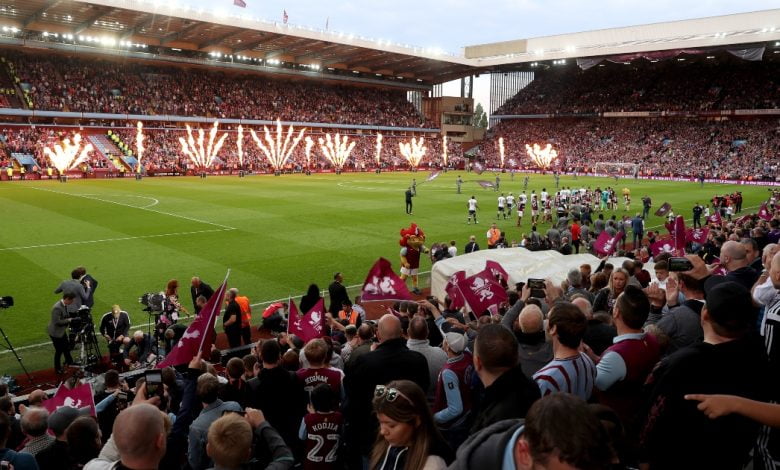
x=678, y=325
x=730, y=360
x=452, y=405
x=56, y=454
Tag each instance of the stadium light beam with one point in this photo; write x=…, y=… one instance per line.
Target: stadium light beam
x=68, y=155
x=276, y=151
x=444, y=150
x=542, y=157
x=501, y=150
x=336, y=150
x=139, y=144
x=413, y=151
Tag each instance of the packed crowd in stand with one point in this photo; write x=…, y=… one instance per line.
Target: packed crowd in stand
x=671, y=85
x=611, y=368
x=734, y=149
x=90, y=85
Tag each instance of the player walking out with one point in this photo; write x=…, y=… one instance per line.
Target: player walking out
x=534, y=209
x=525, y=182
x=459, y=182
x=510, y=204
x=472, y=205
x=501, y=207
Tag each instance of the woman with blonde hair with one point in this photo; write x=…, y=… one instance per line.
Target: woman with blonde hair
x=605, y=299
x=408, y=438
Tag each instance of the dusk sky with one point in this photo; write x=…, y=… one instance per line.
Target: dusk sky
x=452, y=24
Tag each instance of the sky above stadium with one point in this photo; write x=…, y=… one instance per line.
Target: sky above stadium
x=453, y=24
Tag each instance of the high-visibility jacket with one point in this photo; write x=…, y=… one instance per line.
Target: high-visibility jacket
x=353, y=316
x=246, y=310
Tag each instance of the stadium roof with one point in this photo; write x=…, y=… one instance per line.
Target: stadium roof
x=175, y=26
x=166, y=23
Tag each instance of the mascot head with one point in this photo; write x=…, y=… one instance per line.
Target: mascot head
x=412, y=237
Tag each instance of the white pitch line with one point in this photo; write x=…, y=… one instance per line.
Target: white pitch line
x=144, y=325
x=135, y=207
x=84, y=242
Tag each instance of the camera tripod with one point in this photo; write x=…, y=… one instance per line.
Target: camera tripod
x=10, y=347
x=87, y=347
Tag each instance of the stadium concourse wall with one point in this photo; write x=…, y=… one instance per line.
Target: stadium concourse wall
x=519, y=263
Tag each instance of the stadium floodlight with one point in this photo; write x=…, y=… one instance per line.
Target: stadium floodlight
x=336, y=150
x=69, y=154
x=276, y=151
x=542, y=157
x=413, y=151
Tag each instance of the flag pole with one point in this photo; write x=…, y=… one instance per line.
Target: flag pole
x=289, y=302
x=211, y=324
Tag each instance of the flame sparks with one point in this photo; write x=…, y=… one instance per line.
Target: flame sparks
x=201, y=156
x=413, y=151
x=501, y=150
x=378, y=150
x=67, y=156
x=337, y=152
x=139, y=144
x=543, y=157
x=444, y=150
x=278, y=152
x=309, y=145
x=240, y=145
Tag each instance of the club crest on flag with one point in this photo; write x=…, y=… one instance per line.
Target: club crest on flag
x=763, y=212
x=606, y=245
x=453, y=291
x=482, y=291
x=309, y=326
x=485, y=184
x=662, y=246
x=382, y=283
x=664, y=209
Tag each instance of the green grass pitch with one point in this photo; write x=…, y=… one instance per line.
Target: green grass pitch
x=276, y=234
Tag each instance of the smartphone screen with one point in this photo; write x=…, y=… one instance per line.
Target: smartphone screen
x=153, y=382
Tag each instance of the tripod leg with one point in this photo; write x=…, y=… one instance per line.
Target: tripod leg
x=10, y=347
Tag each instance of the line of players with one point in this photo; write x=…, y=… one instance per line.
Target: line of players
x=542, y=204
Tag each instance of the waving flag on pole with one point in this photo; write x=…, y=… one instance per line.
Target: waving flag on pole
x=79, y=397
x=433, y=175
x=239, y=3
x=486, y=184
x=679, y=233
x=382, y=283
x=763, y=212
x=664, y=245
x=309, y=326
x=606, y=245
x=478, y=168
x=715, y=218
x=482, y=292
x=200, y=335
x=457, y=300
x=285, y=17
x=498, y=272
x=663, y=210
x=697, y=235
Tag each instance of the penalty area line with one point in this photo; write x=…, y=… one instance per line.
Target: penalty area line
x=192, y=219
x=105, y=240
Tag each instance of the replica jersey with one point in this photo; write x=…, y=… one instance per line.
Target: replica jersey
x=323, y=439
x=310, y=378
x=501, y=201
x=472, y=204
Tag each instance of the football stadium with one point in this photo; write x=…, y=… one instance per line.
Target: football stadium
x=311, y=249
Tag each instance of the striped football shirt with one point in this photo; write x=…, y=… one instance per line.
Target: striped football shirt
x=575, y=375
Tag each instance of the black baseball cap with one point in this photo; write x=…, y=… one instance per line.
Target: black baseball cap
x=729, y=303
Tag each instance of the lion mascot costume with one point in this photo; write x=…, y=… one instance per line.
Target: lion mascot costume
x=412, y=244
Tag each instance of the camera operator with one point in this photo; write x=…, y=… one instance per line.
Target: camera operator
x=143, y=346
x=58, y=329
x=81, y=293
x=115, y=326
x=90, y=285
